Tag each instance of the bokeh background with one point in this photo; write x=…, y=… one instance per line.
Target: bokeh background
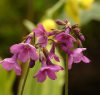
x=18, y=17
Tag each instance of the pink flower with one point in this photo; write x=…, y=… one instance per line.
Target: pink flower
x=47, y=70
x=25, y=51
x=11, y=63
x=77, y=56
x=41, y=33
x=43, y=41
x=52, y=53
x=66, y=39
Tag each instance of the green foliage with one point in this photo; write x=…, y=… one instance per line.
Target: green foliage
x=6, y=82
x=29, y=25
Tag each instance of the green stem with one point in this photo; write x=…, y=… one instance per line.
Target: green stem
x=66, y=77
x=66, y=82
x=23, y=85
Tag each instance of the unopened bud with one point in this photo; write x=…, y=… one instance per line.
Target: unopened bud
x=60, y=22
x=76, y=30
x=32, y=63
x=66, y=21
x=74, y=26
x=82, y=38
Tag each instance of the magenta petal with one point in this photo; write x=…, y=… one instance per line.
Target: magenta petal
x=59, y=37
x=17, y=69
x=56, y=68
x=78, y=58
x=78, y=50
x=85, y=59
x=40, y=26
x=52, y=53
x=64, y=36
x=23, y=55
x=67, y=30
x=63, y=47
x=15, y=48
x=56, y=58
x=33, y=54
x=11, y=63
x=41, y=76
x=51, y=74
x=43, y=41
x=71, y=37
x=39, y=31
x=7, y=64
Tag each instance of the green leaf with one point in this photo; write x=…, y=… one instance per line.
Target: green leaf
x=6, y=82
x=29, y=25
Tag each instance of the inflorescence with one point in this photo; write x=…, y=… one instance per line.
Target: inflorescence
x=68, y=39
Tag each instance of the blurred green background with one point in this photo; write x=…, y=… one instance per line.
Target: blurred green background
x=16, y=20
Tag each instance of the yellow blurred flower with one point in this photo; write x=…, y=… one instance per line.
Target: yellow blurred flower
x=49, y=24
x=86, y=4
x=73, y=7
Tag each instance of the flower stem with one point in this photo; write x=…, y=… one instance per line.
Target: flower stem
x=23, y=85
x=66, y=77
x=27, y=71
x=66, y=83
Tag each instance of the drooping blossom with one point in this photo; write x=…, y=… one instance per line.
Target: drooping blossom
x=52, y=53
x=77, y=56
x=42, y=34
x=48, y=69
x=66, y=41
x=11, y=63
x=65, y=38
x=43, y=41
x=25, y=51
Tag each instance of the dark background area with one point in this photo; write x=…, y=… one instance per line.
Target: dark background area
x=84, y=79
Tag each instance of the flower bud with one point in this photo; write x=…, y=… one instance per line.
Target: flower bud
x=60, y=22
x=82, y=38
x=32, y=63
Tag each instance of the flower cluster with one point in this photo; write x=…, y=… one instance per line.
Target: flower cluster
x=68, y=38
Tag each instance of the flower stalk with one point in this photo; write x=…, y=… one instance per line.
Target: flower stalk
x=66, y=78
x=27, y=71
x=24, y=82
